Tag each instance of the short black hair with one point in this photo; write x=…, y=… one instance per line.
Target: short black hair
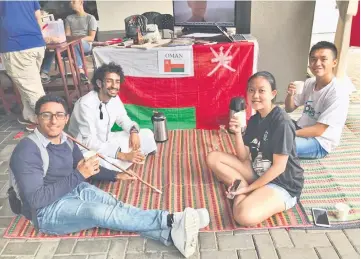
x=324, y=45
x=266, y=75
x=49, y=98
x=100, y=72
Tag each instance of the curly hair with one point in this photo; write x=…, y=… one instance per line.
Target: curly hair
x=99, y=73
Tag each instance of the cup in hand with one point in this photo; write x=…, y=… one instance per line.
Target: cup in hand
x=89, y=154
x=299, y=86
x=142, y=155
x=342, y=211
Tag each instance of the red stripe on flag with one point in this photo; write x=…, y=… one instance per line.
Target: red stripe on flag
x=177, y=65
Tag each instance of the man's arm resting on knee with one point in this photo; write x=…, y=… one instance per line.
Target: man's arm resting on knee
x=27, y=167
x=312, y=131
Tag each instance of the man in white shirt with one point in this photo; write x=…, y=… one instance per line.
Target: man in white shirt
x=94, y=115
x=325, y=104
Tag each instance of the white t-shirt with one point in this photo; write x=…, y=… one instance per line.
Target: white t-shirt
x=327, y=106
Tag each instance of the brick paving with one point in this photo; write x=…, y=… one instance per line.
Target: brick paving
x=255, y=244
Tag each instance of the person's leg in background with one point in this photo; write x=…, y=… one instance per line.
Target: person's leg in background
x=87, y=48
x=309, y=148
x=46, y=65
x=22, y=67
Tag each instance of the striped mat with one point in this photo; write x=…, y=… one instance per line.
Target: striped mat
x=179, y=170
x=335, y=178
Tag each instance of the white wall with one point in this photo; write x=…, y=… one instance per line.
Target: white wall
x=112, y=13
x=326, y=17
x=282, y=28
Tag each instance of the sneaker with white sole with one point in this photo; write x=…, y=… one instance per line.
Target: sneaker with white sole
x=185, y=230
x=203, y=216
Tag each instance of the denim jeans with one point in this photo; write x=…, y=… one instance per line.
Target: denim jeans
x=50, y=56
x=87, y=207
x=309, y=148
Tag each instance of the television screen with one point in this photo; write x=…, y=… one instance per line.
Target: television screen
x=204, y=12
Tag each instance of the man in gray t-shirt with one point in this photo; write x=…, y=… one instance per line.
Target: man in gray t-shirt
x=78, y=24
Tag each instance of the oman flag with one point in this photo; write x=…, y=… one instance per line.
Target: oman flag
x=173, y=67
x=192, y=85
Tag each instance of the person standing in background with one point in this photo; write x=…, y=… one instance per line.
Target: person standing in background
x=78, y=24
x=22, y=47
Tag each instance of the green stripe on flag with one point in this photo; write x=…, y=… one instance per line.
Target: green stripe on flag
x=177, y=70
x=177, y=118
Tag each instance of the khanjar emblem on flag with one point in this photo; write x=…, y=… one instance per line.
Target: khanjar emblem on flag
x=175, y=62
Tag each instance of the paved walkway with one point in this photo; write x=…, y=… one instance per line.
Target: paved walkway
x=262, y=244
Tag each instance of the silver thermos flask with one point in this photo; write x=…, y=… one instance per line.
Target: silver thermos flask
x=160, y=127
x=238, y=105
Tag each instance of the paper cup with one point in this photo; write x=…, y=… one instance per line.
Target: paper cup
x=342, y=211
x=299, y=86
x=144, y=157
x=89, y=154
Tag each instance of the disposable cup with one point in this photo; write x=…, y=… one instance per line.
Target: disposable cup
x=299, y=86
x=89, y=154
x=342, y=211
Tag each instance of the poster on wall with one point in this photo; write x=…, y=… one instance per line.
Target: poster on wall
x=175, y=62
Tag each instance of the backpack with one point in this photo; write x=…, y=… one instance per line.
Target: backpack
x=133, y=22
x=13, y=192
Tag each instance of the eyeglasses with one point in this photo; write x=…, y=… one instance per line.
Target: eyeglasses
x=47, y=116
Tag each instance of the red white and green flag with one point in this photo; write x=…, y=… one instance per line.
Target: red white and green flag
x=192, y=85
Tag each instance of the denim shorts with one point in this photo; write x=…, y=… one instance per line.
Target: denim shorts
x=287, y=198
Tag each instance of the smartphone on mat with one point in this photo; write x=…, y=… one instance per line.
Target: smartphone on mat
x=320, y=217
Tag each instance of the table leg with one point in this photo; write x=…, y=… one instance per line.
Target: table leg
x=76, y=68
x=72, y=65
x=83, y=58
x=63, y=76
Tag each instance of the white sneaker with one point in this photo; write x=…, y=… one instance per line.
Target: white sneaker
x=203, y=216
x=185, y=230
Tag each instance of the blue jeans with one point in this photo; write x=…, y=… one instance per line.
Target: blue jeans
x=50, y=56
x=87, y=207
x=309, y=148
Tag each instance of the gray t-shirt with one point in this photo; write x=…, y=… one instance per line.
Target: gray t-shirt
x=81, y=25
x=275, y=134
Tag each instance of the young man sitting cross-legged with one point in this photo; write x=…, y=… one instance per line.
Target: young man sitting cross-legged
x=63, y=202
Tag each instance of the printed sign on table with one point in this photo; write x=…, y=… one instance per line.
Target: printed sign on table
x=175, y=62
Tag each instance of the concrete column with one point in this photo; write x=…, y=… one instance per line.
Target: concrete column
x=283, y=30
